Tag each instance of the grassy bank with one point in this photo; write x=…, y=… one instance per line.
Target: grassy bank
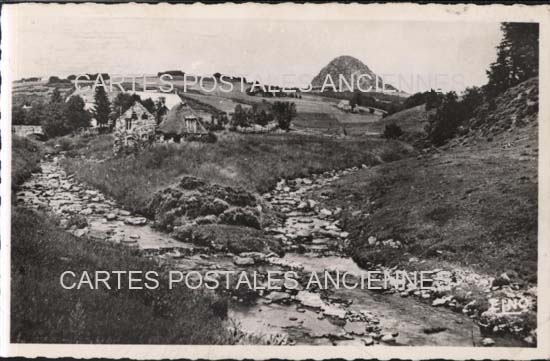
x=25, y=159
x=254, y=162
x=44, y=312
x=474, y=206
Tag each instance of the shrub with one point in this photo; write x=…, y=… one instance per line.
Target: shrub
x=392, y=131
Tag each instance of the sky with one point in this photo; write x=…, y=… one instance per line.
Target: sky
x=414, y=56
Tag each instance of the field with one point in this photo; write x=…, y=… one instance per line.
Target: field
x=317, y=114
x=323, y=107
x=252, y=162
x=30, y=92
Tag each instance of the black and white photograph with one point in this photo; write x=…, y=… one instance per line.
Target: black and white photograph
x=328, y=177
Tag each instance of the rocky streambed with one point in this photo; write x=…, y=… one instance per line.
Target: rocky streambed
x=314, y=243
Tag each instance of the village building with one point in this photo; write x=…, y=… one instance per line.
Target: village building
x=182, y=122
x=136, y=120
x=345, y=105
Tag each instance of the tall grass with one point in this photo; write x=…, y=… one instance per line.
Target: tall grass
x=26, y=156
x=44, y=312
x=255, y=162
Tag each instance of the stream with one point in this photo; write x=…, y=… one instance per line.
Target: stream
x=314, y=243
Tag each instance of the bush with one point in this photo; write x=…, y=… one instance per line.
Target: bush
x=392, y=131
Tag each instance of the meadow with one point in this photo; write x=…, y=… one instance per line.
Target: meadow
x=253, y=162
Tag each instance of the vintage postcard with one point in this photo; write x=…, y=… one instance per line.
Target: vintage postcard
x=275, y=181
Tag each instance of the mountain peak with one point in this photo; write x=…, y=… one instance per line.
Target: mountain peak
x=349, y=68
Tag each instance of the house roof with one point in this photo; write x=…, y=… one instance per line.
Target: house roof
x=138, y=108
x=175, y=121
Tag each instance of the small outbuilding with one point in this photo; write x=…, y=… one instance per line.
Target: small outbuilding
x=182, y=122
x=345, y=105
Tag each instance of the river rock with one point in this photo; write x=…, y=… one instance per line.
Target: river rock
x=310, y=299
x=86, y=211
x=356, y=328
x=135, y=221
x=388, y=338
x=110, y=216
x=278, y=297
x=368, y=341
x=241, y=217
x=81, y=232
x=372, y=241
x=311, y=203
x=487, y=342
x=243, y=261
x=124, y=213
x=256, y=256
x=441, y=301
x=304, y=233
x=333, y=311
x=209, y=219
x=302, y=206
x=325, y=212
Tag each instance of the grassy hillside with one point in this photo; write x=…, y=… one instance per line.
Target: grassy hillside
x=254, y=162
x=412, y=120
x=473, y=203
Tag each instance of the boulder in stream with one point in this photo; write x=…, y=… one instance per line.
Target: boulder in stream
x=135, y=221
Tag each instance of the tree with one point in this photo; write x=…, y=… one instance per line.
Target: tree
x=56, y=96
x=35, y=114
x=54, y=122
x=160, y=110
x=240, y=117
x=77, y=116
x=122, y=102
x=102, y=107
x=444, y=123
x=18, y=115
x=471, y=100
x=284, y=112
x=517, y=57
x=149, y=104
x=392, y=131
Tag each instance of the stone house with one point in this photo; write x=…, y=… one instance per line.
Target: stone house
x=136, y=120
